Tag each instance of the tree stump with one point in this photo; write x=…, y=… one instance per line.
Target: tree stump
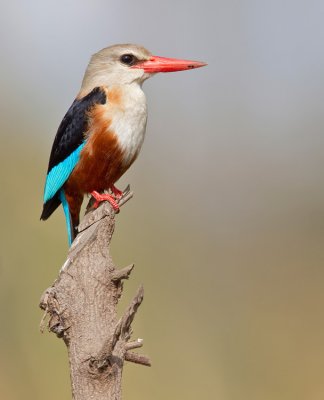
x=82, y=309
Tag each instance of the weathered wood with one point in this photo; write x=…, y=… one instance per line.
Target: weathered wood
x=81, y=305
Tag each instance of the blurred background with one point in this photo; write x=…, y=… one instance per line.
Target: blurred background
x=226, y=228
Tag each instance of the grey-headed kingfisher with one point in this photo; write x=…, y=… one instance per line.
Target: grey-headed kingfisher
x=102, y=133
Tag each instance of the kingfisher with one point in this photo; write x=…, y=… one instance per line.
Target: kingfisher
x=102, y=133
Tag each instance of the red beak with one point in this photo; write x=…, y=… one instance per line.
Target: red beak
x=163, y=64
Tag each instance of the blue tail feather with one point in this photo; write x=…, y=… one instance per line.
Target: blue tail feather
x=67, y=214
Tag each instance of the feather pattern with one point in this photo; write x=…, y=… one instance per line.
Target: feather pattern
x=59, y=174
x=70, y=133
x=67, y=146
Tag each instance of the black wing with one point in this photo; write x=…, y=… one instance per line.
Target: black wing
x=70, y=133
x=69, y=136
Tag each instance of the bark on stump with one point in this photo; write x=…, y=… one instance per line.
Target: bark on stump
x=82, y=310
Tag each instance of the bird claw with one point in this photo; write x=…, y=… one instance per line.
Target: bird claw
x=104, y=197
x=113, y=198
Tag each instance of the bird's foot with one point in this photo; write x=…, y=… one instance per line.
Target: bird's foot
x=116, y=192
x=104, y=197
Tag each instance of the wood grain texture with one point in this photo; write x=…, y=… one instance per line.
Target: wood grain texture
x=81, y=306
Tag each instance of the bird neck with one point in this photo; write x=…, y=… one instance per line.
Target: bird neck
x=133, y=89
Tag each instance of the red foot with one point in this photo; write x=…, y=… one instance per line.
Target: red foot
x=104, y=197
x=117, y=193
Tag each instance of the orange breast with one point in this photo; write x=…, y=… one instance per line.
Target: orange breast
x=101, y=160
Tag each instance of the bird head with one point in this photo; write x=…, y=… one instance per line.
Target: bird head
x=128, y=63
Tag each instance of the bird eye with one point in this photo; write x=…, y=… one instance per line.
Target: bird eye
x=128, y=59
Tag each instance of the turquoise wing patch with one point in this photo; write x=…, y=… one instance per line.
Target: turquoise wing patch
x=59, y=174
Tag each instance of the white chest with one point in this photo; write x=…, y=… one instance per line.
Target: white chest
x=126, y=108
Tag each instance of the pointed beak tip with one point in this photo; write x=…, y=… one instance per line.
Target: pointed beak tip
x=198, y=64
